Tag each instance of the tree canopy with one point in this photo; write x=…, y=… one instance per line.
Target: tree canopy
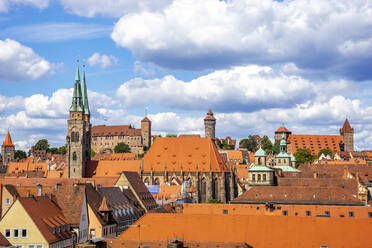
x=266, y=144
x=248, y=143
x=276, y=147
x=325, y=151
x=122, y=148
x=304, y=156
x=41, y=145
x=20, y=154
x=171, y=135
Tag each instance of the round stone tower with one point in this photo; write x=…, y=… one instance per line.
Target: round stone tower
x=210, y=125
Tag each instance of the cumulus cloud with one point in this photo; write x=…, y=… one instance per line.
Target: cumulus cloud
x=193, y=34
x=6, y=4
x=244, y=88
x=102, y=60
x=115, y=8
x=10, y=103
x=18, y=62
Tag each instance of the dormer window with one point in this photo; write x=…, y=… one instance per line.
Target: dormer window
x=53, y=230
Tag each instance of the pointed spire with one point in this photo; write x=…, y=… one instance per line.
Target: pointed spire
x=8, y=140
x=77, y=104
x=346, y=127
x=85, y=94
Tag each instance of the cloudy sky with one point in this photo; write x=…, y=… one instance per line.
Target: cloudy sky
x=256, y=63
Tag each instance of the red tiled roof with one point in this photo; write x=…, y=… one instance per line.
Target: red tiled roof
x=103, y=130
x=282, y=129
x=41, y=208
x=8, y=140
x=186, y=154
x=3, y=241
x=210, y=112
x=315, y=142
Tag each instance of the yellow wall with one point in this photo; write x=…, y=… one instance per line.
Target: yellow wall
x=5, y=195
x=17, y=218
x=94, y=223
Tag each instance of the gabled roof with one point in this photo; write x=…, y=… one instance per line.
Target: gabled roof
x=3, y=241
x=104, y=207
x=111, y=168
x=8, y=140
x=282, y=129
x=126, y=130
x=186, y=154
x=315, y=142
x=346, y=128
x=46, y=215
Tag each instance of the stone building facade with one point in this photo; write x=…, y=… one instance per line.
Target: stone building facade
x=192, y=159
x=7, y=152
x=78, y=138
x=105, y=138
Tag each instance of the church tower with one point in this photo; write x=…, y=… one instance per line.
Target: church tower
x=7, y=150
x=210, y=125
x=348, y=133
x=78, y=130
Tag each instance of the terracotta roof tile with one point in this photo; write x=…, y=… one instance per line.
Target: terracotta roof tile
x=282, y=129
x=41, y=207
x=315, y=142
x=190, y=154
x=111, y=168
x=103, y=130
x=346, y=128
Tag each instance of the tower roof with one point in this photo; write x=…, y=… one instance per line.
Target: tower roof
x=85, y=95
x=146, y=119
x=77, y=101
x=260, y=153
x=282, y=129
x=209, y=115
x=346, y=127
x=8, y=140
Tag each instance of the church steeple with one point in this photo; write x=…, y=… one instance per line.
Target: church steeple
x=77, y=103
x=85, y=95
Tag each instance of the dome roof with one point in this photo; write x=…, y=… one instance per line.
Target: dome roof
x=283, y=142
x=260, y=153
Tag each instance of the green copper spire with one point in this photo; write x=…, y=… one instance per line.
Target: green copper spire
x=85, y=95
x=77, y=104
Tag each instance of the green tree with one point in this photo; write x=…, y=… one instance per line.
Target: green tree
x=304, y=155
x=171, y=135
x=226, y=146
x=20, y=154
x=214, y=201
x=122, y=148
x=53, y=150
x=41, y=145
x=62, y=150
x=249, y=143
x=266, y=144
x=92, y=153
x=325, y=152
x=276, y=147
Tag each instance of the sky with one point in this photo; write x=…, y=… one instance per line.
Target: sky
x=258, y=64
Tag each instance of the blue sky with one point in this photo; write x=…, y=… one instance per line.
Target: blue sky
x=257, y=64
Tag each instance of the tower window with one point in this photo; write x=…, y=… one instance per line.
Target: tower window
x=74, y=156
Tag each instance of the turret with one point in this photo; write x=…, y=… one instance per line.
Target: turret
x=348, y=133
x=7, y=150
x=210, y=125
x=146, y=132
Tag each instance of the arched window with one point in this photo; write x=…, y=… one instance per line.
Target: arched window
x=259, y=161
x=264, y=177
x=74, y=136
x=147, y=181
x=156, y=181
x=215, y=188
x=259, y=177
x=74, y=156
x=203, y=190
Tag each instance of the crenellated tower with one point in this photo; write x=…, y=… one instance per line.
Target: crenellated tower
x=78, y=130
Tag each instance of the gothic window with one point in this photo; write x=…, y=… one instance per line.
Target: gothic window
x=215, y=188
x=74, y=156
x=156, y=182
x=74, y=136
x=203, y=190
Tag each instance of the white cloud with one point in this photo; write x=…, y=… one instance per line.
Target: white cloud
x=5, y=4
x=194, y=34
x=245, y=88
x=115, y=8
x=145, y=69
x=10, y=103
x=18, y=62
x=57, y=31
x=102, y=60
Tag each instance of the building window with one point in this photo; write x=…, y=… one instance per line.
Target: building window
x=31, y=246
x=264, y=177
x=15, y=233
x=326, y=212
x=285, y=213
x=259, y=177
x=74, y=156
x=24, y=233
x=7, y=233
x=39, y=246
x=370, y=214
x=225, y=211
x=253, y=177
x=7, y=201
x=351, y=214
x=308, y=213
x=92, y=232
